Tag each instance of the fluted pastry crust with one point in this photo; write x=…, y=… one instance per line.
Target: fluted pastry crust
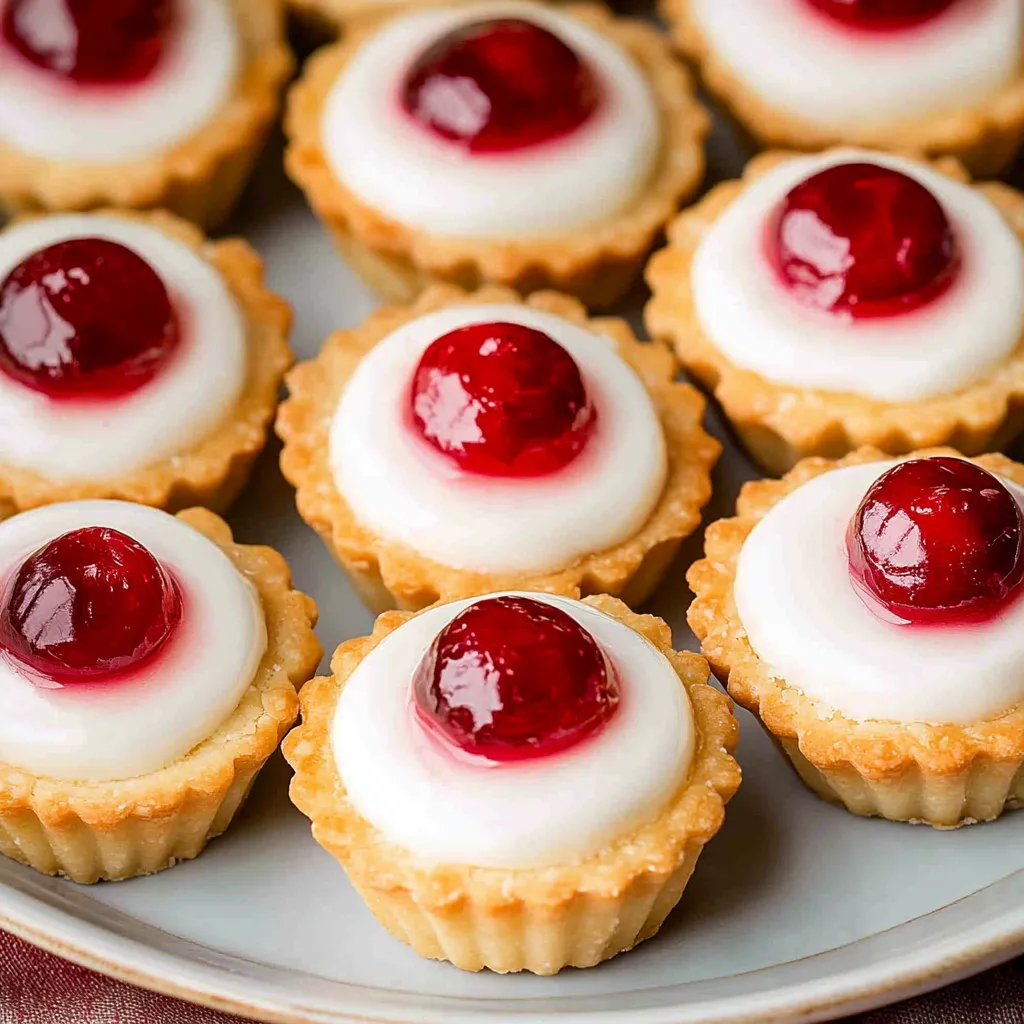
x=213, y=472
x=389, y=574
x=538, y=920
x=945, y=775
x=89, y=831
x=597, y=264
x=781, y=424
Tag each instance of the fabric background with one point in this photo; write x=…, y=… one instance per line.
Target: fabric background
x=37, y=988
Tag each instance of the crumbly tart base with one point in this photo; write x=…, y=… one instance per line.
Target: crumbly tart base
x=388, y=574
x=87, y=831
x=781, y=424
x=538, y=920
x=942, y=775
x=985, y=137
x=596, y=264
x=201, y=177
x=213, y=472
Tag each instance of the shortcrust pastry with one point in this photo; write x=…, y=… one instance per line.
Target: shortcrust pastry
x=477, y=442
x=433, y=810
x=137, y=360
x=850, y=298
x=561, y=179
x=868, y=611
x=139, y=710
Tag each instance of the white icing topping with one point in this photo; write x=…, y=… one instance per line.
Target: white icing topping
x=753, y=319
x=67, y=440
x=43, y=115
x=407, y=173
x=519, y=814
x=812, y=67
x=804, y=619
x=405, y=489
x=165, y=708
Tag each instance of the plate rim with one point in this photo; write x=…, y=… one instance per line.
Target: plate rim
x=916, y=956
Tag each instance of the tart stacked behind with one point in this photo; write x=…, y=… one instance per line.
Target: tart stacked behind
x=936, y=77
x=481, y=442
x=137, y=361
x=148, y=666
x=508, y=143
x=869, y=611
x=850, y=298
x=136, y=104
x=518, y=782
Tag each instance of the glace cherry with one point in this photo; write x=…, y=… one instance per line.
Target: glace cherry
x=500, y=85
x=937, y=539
x=90, y=605
x=90, y=42
x=881, y=15
x=85, y=317
x=863, y=240
x=511, y=678
x=502, y=399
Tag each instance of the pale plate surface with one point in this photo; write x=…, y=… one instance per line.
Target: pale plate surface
x=797, y=910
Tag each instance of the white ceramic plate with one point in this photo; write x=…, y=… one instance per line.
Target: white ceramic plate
x=797, y=910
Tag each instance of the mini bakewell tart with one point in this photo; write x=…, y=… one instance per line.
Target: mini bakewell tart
x=870, y=613
x=148, y=667
x=518, y=782
x=934, y=77
x=850, y=298
x=136, y=103
x=480, y=442
x=137, y=360
x=507, y=143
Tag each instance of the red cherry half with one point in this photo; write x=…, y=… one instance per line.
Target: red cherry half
x=511, y=678
x=500, y=85
x=865, y=241
x=937, y=540
x=90, y=42
x=90, y=605
x=881, y=15
x=85, y=317
x=502, y=399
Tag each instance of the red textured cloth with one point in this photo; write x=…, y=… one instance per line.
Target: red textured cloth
x=37, y=988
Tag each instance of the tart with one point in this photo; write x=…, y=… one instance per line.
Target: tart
x=149, y=668
x=449, y=762
x=479, y=442
x=137, y=360
x=513, y=144
x=883, y=306
x=869, y=612
x=137, y=104
x=934, y=77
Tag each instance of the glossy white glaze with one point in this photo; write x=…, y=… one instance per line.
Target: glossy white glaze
x=804, y=63
x=43, y=115
x=750, y=316
x=804, y=619
x=519, y=814
x=188, y=398
x=404, y=489
x=390, y=163
x=166, y=707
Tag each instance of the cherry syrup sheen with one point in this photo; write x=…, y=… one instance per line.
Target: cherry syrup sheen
x=862, y=240
x=937, y=540
x=91, y=606
x=514, y=678
x=85, y=318
x=89, y=42
x=501, y=399
x=500, y=85
x=881, y=15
